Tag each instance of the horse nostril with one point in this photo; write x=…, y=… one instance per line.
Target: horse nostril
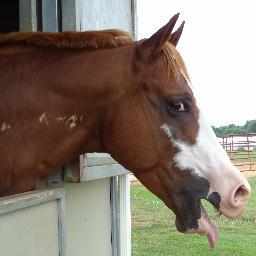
x=241, y=195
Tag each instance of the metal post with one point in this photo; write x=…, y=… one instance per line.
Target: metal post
x=121, y=215
x=124, y=214
x=62, y=224
x=28, y=15
x=134, y=18
x=114, y=216
x=71, y=15
x=50, y=15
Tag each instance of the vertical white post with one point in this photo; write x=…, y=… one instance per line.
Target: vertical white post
x=125, y=214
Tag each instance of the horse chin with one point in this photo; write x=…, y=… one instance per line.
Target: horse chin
x=231, y=213
x=205, y=227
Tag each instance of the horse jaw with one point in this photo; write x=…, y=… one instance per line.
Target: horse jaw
x=206, y=228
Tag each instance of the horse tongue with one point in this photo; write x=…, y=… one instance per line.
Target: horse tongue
x=212, y=236
x=212, y=231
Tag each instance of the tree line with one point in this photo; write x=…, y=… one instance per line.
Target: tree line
x=249, y=127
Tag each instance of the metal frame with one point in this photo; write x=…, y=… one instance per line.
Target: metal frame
x=30, y=199
x=92, y=168
x=50, y=16
x=28, y=15
x=115, y=227
x=241, y=148
x=121, y=215
x=124, y=215
x=134, y=18
x=103, y=171
x=70, y=15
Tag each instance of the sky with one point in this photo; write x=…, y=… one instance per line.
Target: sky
x=218, y=45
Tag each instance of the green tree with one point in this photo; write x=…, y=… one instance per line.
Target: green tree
x=250, y=126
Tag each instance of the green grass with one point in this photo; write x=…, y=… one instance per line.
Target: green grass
x=154, y=232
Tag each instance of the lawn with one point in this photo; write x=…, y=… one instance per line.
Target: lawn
x=154, y=233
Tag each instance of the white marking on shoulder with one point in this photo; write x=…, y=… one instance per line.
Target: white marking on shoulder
x=5, y=127
x=72, y=121
x=61, y=118
x=43, y=119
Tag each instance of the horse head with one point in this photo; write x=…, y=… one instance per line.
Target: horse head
x=159, y=133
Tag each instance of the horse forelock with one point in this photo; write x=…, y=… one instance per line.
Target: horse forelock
x=89, y=39
x=176, y=65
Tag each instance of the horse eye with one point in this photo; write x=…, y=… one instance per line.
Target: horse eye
x=178, y=106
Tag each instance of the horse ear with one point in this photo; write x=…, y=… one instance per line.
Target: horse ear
x=175, y=36
x=152, y=46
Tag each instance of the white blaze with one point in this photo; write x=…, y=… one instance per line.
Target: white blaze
x=206, y=157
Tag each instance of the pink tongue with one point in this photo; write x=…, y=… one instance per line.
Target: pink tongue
x=212, y=232
x=213, y=236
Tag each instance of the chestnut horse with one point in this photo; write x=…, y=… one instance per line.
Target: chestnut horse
x=64, y=94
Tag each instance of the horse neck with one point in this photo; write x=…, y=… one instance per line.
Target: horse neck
x=97, y=80
x=75, y=87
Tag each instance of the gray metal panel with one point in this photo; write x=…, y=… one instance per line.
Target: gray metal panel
x=70, y=15
x=94, y=160
x=55, y=180
x=88, y=211
x=77, y=171
x=101, y=14
x=14, y=203
x=105, y=14
x=49, y=16
x=17, y=202
x=28, y=17
x=102, y=171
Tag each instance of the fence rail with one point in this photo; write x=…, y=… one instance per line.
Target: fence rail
x=241, y=149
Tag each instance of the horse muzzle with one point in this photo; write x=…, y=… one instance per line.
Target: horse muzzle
x=231, y=209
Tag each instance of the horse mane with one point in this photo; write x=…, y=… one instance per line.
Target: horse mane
x=111, y=38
